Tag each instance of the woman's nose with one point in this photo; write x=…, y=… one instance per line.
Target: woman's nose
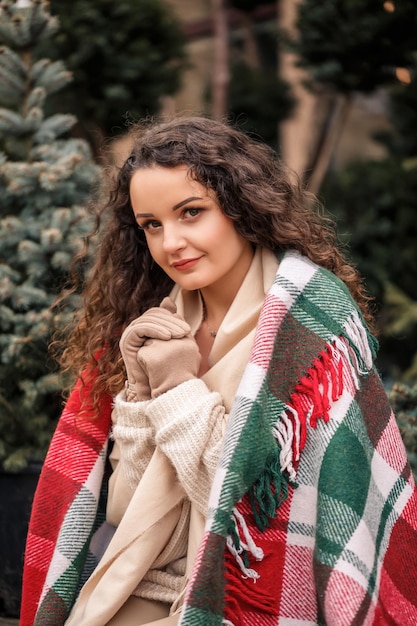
x=173, y=239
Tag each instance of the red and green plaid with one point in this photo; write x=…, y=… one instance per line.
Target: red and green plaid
x=313, y=472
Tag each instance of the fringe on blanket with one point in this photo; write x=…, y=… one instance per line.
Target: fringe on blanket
x=311, y=400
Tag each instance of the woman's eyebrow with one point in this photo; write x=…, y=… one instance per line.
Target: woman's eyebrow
x=144, y=215
x=174, y=208
x=180, y=204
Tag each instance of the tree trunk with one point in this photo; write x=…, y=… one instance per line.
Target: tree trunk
x=330, y=138
x=297, y=133
x=251, y=52
x=221, y=74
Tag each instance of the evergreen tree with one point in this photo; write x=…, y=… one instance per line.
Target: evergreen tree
x=125, y=56
x=375, y=203
x=46, y=178
x=350, y=46
x=355, y=45
x=403, y=114
x=257, y=98
x=403, y=399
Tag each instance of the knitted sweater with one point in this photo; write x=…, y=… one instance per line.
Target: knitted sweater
x=189, y=412
x=313, y=511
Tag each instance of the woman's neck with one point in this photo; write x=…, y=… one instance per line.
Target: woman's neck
x=217, y=298
x=214, y=311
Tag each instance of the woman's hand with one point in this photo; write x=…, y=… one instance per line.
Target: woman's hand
x=160, y=323
x=169, y=363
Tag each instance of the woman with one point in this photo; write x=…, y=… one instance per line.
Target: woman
x=257, y=472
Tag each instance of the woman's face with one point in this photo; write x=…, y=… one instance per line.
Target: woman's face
x=187, y=234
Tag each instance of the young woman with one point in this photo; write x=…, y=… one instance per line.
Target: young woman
x=257, y=475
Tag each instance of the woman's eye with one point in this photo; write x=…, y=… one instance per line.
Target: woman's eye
x=192, y=212
x=150, y=225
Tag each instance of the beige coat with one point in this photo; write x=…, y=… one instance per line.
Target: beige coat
x=157, y=503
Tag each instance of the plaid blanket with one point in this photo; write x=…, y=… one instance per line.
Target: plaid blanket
x=313, y=512
x=65, y=511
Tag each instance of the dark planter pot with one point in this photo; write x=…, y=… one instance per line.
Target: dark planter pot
x=16, y=495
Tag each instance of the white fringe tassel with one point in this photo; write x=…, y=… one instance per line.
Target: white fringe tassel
x=247, y=545
x=284, y=433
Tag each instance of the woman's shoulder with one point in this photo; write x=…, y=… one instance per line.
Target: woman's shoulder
x=319, y=300
x=302, y=275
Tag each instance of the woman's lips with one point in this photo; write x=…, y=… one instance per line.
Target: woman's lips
x=185, y=264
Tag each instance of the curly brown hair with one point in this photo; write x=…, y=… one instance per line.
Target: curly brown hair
x=254, y=189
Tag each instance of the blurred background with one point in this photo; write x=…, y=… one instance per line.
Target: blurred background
x=330, y=85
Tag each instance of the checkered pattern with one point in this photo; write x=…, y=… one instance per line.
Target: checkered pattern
x=313, y=511
x=65, y=511
x=313, y=474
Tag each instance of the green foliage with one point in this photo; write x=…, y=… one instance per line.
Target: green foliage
x=259, y=100
x=355, y=45
x=124, y=56
x=46, y=179
x=375, y=204
x=403, y=400
x=20, y=29
x=403, y=113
